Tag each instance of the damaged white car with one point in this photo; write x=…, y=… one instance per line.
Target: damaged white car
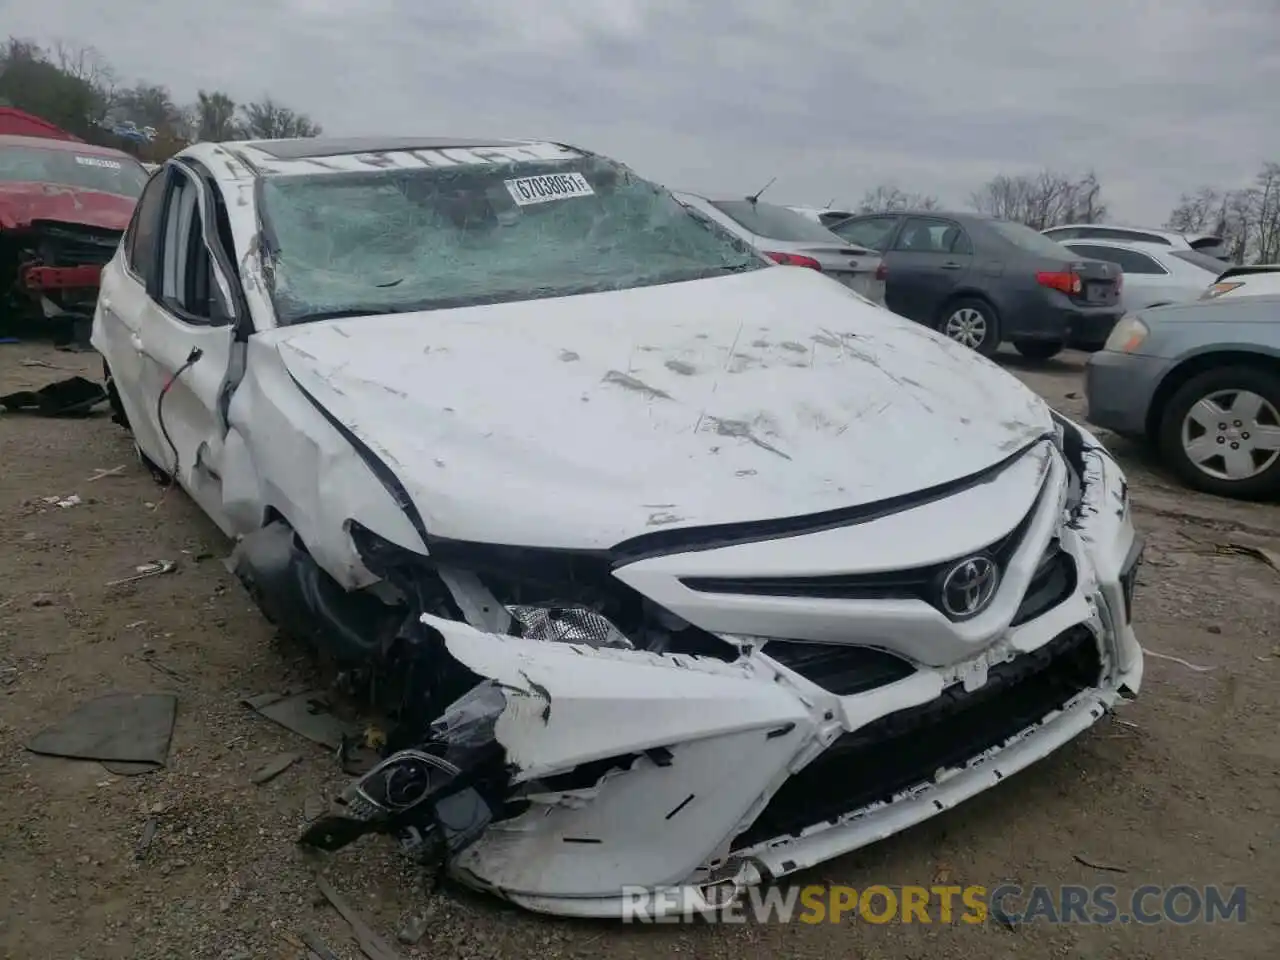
x=677, y=569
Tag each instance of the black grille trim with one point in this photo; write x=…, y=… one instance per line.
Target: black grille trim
x=908, y=747
x=840, y=668
x=1053, y=582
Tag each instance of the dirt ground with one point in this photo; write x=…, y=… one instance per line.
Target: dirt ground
x=1184, y=788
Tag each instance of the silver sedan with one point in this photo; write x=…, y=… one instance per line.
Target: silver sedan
x=792, y=239
x=1202, y=381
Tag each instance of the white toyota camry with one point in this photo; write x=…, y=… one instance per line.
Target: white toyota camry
x=678, y=570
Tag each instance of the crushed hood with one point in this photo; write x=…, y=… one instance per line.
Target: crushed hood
x=582, y=421
x=23, y=203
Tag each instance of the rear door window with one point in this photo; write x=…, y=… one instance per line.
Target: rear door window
x=873, y=233
x=929, y=235
x=1130, y=261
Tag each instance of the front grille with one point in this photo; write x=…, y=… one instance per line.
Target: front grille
x=909, y=747
x=917, y=583
x=838, y=668
x=1052, y=583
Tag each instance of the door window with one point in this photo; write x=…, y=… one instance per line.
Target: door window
x=1130, y=261
x=927, y=235
x=872, y=233
x=140, y=239
x=187, y=286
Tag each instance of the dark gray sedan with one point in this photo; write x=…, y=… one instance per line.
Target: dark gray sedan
x=1202, y=381
x=983, y=281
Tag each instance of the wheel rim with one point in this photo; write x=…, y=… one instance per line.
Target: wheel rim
x=967, y=326
x=1232, y=434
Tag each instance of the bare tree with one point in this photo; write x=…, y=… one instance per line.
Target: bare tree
x=30, y=81
x=268, y=120
x=1266, y=192
x=1043, y=200
x=1248, y=219
x=888, y=198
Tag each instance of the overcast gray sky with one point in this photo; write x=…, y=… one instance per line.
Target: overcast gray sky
x=1159, y=96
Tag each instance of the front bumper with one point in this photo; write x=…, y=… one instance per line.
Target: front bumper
x=635, y=770
x=1118, y=388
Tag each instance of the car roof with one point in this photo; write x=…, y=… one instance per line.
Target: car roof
x=1189, y=237
x=64, y=146
x=307, y=148
x=965, y=216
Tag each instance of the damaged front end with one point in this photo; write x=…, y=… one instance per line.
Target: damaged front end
x=49, y=275
x=565, y=732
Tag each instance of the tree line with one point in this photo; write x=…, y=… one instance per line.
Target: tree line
x=77, y=89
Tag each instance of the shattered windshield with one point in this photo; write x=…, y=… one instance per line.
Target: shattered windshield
x=402, y=239
x=119, y=175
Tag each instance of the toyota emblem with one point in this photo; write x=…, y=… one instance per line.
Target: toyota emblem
x=969, y=586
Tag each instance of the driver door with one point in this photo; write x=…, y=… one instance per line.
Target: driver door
x=185, y=341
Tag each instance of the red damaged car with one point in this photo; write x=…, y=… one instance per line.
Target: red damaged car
x=63, y=207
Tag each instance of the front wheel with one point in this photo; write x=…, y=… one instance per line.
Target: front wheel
x=971, y=322
x=1037, y=349
x=1220, y=432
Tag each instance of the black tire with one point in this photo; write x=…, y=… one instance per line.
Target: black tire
x=1219, y=380
x=1037, y=349
x=990, y=341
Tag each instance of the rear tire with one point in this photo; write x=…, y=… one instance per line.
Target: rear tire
x=972, y=323
x=1037, y=349
x=1220, y=432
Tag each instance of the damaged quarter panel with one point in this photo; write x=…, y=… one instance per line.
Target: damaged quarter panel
x=600, y=417
x=729, y=733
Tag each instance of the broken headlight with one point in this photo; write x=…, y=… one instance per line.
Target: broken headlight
x=568, y=625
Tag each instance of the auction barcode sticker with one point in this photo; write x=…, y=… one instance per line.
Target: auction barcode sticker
x=550, y=186
x=98, y=162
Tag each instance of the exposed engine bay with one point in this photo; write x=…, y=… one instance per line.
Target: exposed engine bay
x=49, y=277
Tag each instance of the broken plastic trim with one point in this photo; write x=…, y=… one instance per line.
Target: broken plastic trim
x=433, y=798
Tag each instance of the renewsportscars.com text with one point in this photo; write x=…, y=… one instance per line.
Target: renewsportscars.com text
x=1006, y=904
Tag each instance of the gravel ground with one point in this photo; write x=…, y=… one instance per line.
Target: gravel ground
x=1185, y=790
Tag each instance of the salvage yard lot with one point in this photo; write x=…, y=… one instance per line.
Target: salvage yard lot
x=1185, y=790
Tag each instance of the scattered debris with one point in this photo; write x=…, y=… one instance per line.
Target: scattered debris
x=317, y=946
x=371, y=945
x=1094, y=864
x=153, y=568
x=144, y=844
x=276, y=767
x=70, y=501
x=149, y=658
x=99, y=474
x=307, y=714
x=72, y=397
x=1266, y=555
x=413, y=931
x=128, y=733
x=1164, y=656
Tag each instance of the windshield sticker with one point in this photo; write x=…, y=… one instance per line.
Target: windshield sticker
x=549, y=186
x=443, y=158
x=99, y=162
